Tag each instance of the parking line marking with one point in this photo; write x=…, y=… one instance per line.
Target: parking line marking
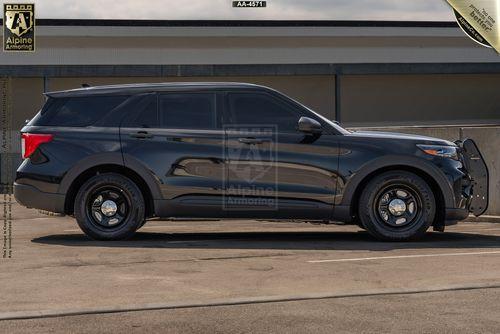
x=402, y=257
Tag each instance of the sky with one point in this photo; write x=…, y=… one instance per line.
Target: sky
x=401, y=10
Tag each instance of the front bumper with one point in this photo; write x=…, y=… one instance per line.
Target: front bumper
x=32, y=197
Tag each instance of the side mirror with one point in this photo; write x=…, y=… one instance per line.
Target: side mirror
x=309, y=125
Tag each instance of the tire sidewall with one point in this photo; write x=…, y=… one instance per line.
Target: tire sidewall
x=132, y=222
x=371, y=221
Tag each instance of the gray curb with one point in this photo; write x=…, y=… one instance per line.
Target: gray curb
x=483, y=219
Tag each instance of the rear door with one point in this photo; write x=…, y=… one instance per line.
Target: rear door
x=177, y=137
x=273, y=170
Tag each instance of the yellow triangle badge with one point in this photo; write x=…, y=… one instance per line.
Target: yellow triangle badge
x=479, y=19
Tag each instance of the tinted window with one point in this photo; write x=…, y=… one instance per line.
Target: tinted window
x=188, y=111
x=77, y=111
x=143, y=114
x=255, y=108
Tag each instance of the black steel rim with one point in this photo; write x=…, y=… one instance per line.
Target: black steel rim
x=398, y=206
x=100, y=200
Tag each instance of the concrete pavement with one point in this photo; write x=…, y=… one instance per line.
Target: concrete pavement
x=445, y=312
x=55, y=268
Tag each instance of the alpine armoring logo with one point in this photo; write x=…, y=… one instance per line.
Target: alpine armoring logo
x=250, y=178
x=19, y=27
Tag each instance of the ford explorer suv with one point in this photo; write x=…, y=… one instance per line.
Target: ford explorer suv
x=115, y=156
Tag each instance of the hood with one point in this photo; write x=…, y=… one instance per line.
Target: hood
x=401, y=136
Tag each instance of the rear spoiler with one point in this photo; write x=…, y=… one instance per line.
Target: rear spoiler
x=70, y=92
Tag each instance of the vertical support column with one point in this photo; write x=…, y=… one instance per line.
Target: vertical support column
x=46, y=85
x=337, y=97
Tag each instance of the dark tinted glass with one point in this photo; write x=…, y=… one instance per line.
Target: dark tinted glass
x=259, y=109
x=143, y=114
x=77, y=111
x=188, y=111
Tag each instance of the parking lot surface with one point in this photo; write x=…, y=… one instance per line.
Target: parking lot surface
x=243, y=276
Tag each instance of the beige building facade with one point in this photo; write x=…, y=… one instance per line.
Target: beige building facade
x=363, y=74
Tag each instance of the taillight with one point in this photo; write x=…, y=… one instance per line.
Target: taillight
x=31, y=141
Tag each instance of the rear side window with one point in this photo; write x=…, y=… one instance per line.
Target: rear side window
x=188, y=111
x=77, y=111
x=143, y=113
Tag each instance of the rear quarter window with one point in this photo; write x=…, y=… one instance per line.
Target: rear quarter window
x=77, y=111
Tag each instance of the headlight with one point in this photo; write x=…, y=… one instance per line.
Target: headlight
x=440, y=151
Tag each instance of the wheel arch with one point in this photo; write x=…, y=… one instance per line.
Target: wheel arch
x=436, y=189
x=429, y=173
x=84, y=175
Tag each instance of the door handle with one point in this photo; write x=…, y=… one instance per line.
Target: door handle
x=141, y=135
x=252, y=140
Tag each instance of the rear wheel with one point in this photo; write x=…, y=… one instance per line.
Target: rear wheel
x=397, y=206
x=109, y=207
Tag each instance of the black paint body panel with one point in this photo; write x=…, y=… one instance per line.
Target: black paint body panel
x=190, y=173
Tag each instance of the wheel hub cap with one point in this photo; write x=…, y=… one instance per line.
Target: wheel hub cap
x=109, y=208
x=397, y=207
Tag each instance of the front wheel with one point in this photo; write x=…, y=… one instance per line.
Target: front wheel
x=397, y=206
x=109, y=206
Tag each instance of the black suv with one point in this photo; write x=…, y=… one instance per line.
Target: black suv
x=113, y=156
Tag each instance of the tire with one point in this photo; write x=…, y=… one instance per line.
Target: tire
x=386, y=210
x=109, y=206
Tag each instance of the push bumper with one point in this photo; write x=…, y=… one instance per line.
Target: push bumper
x=477, y=189
x=472, y=193
x=31, y=197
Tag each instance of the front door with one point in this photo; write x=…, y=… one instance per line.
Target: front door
x=273, y=170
